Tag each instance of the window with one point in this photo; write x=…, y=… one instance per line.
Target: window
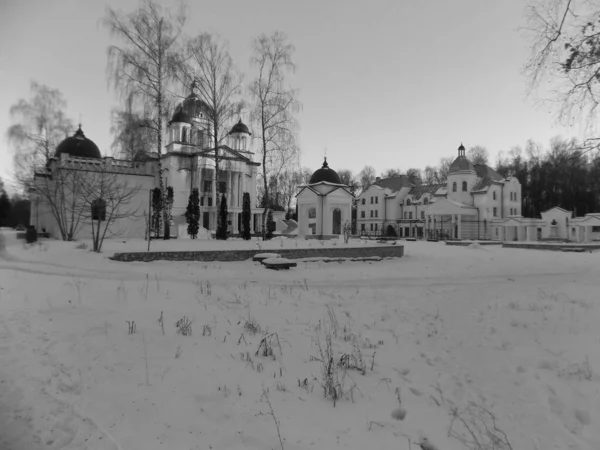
x=371, y=200
x=454, y=187
x=207, y=186
x=222, y=187
x=209, y=201
x=426, y=201
x=495, y=212
x=405, y=215
x=201, y=201
x=371, y=213
x=362, y=227
x=375, y=227
x=364, y=200
x=410, y=215
x=408, y=202
x=371, y=227
x=422, y=215
x=183, y=135
x=376, y=213
x=464, y=186
x=312, y=213
x=376, y=199
x=362, y=214
x=494, y=195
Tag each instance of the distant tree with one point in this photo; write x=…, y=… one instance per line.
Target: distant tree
x=289, y=180
x=192, y=213
x=430, y=175
x=274, y=105
x=39, y=125
x=444, y=168
x=478, y=155
x=246, y=215
x=366, y=177
x=222, y=220
x=348, y=178
x=143, y=65
x=207, y=65
x=389, y=173
x=414, y=176
x=5, y=208
x=132, y=134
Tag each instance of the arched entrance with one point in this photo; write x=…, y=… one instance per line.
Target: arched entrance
x=337, y=221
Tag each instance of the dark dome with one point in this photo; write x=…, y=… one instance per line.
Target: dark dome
x=240, y=127
x=462, y=147
x=461, y=164
x=325, y=174
x=190, y=108
x=79, y=146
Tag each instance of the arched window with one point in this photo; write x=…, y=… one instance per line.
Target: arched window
x=408, y=202
x=454, y=187
x=425, y=201
x=464, y=186
x=312, y=213
x=183, y=134
x=494, y=195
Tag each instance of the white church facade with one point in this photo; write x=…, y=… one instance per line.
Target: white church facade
x=188, y=162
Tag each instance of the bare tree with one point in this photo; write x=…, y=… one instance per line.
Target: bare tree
x=289, y=180
x=60, y=189
x=443, y=169
x=115, y=195
x=348, y=178
x=478, y=155
x=430, y=175
x=207, y=65
x=39, y=126
x=144, y=65
x=273, y=107
x=389, y=173
x=414, y=175
x=132, y=134
x=366, y=177
x=565, y=55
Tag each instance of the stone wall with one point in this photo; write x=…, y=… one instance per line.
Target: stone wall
x=242, y=255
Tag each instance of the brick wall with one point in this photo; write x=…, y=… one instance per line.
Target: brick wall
x=242, y=255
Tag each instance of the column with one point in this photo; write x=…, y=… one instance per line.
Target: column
x=501, y=233
x=529, y=233
x=588, y=234
x=459, y=219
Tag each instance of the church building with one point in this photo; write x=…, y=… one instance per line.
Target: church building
x=188, y=162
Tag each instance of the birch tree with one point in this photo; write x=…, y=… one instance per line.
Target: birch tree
x=39, y=125
x=207, y=64
x=274, y=105
x=144, y=64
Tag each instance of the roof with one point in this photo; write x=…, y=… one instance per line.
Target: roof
x=240, y=127
x=325, y=174
x=394, y=184
x=419, y=190
x=557, y=207
x=486, y=176
x=190, y=108
x=106, y=165
x=78, y=146
x=461, y=164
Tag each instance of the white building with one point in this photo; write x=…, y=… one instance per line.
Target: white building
x=324, y=204
x=188, y=162
x=467, y=206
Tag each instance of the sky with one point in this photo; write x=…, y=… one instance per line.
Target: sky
x=386, y=83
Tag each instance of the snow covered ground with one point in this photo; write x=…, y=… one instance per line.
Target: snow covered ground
x=455, y=331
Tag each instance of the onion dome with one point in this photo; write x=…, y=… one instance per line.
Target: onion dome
x=325, y=174
x=190, y=108
x=78, y=146
x=240, y=127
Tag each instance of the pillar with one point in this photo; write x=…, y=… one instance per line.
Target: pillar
x=529, y=233
x=588, y=234
x=459, y=225
x=501, y=233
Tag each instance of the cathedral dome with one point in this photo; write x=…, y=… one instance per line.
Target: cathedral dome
x=325, y=174
x=240, y=127
x=192, y=107
x=78, y=146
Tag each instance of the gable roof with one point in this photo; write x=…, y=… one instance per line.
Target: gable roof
x=418, y=190
x=558, y=208
x=486, y=176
